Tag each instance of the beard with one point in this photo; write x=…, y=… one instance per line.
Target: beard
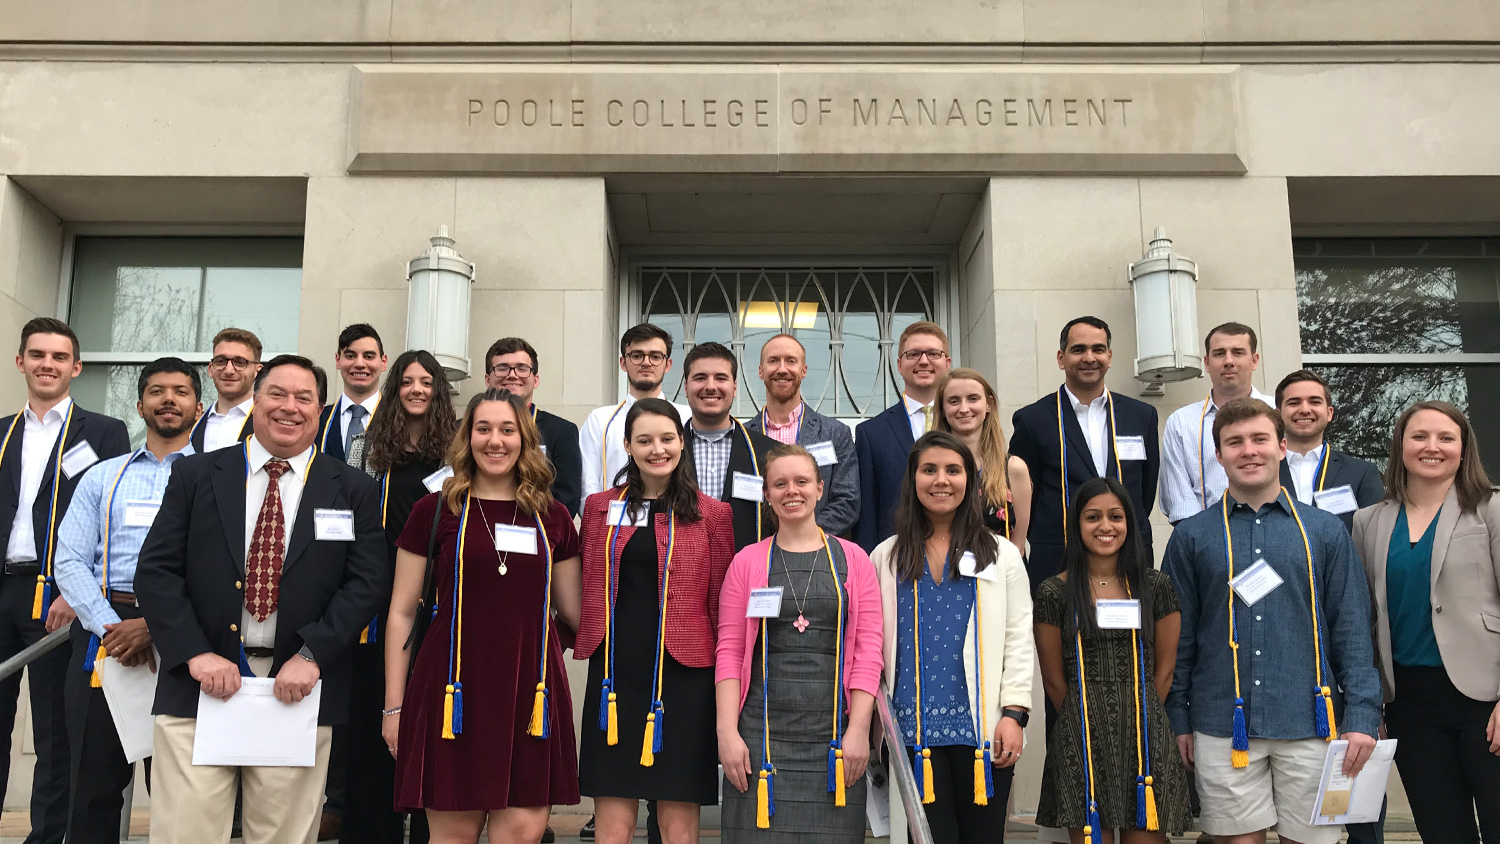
x=783, y=390
x=645, y=385
x=169, y=431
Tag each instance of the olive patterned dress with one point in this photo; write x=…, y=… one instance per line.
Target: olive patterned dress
x=1111, y=676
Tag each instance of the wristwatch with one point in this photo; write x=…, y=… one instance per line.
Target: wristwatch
x=306, y=654
x=1021, y=716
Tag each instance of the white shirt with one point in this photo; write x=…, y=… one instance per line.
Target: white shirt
x=346, y=413
x=916, y=416
x=222, y=429
x=601, y=439
x=37, y=442
x=1185, y=446
x=1304, y=471
x=1093, y=418
x=262, y=634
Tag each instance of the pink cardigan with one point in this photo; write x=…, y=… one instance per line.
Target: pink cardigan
x=863, y=653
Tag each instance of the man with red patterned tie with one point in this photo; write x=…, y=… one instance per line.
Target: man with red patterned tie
x=264, y=560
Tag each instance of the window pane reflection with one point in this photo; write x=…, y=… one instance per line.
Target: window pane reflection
x=1368, y=399
x=849, y=318
x=111, y=389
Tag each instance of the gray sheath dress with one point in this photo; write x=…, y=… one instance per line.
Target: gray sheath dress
x=803, y=669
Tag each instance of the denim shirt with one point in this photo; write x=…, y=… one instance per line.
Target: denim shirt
x=1277, y=667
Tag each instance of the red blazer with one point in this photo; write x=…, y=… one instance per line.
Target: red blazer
x=700, y=560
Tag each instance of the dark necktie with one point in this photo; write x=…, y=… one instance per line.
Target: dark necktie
x=267, y=548
x=356, y=424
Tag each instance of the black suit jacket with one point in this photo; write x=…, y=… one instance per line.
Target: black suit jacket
x=189, y=580
x=560, y=438
x=1034, y=440
x=739, y=461
x=881, y=444
x=1360, y=475
x=330, y=439
x=104, y=434
x=200, y=429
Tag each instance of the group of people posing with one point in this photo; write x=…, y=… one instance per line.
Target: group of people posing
x=740, y=591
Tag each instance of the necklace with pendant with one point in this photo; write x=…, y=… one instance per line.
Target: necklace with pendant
x=801, y=623
x=494, y=539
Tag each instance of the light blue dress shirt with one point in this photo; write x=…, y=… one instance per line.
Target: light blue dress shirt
x=79, y=565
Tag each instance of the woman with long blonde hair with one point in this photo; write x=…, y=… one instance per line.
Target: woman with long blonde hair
x=970, y=411
x=504, y=557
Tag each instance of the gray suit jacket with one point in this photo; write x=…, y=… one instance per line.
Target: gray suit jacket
x=839, y=506
x=1465, y=595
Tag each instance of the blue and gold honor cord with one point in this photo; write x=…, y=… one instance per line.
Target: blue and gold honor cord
x=1323, y=718
x=754, y=464
x=453, y=692
x=1092, y=831
x=604, y=446
x=541, y=722
x=984, y=783
x=44, y=578
x=94, y=655
x=1062, y=454
x=371, y=633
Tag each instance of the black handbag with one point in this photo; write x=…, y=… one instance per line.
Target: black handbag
x=427, y=603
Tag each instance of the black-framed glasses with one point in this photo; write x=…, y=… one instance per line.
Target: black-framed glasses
x=239, y=363
x=917, y=354
x=504, y=369
x=638, y=357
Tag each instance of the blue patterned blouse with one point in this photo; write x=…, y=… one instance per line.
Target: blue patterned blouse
x=946, y=610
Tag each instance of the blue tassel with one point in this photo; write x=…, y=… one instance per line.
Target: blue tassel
x=245, y=664
x=660, y=713
x=458, y=708
x=916, y=769
x=1096, y=833
x=374, y=630
x=1140, y=802
x=1241, y=740
x=604, y=690
x=1320, y=714
x=771, y=791
x=46, y=596
x=88, y=655
x=833, y=748
x=989, y=772
x=546, y=713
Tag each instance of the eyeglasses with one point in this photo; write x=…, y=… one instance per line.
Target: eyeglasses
x=640, y=357
x=504, y=370
x=220, y=361
x=915, y=355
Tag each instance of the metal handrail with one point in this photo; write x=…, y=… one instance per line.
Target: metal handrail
x=901, y=772
x=31, y=652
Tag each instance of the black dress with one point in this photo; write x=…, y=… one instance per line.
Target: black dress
x=369, y=807
x=686, y=768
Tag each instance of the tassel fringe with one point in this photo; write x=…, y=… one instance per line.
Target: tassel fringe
x=539, y=726
x=928, y=796
x=660, y=713
x=95, y=679
x=648, y=755
x=1239, y=754
x=41, y=598
x=981, y=798
x=833, y=748
x=765, y=806
x=989, y=771
x=458, y=708
x=612, y=733
x=604, y=706
x=448, y=713
x=1093, y=832
x=1153, y=823
x=1323, y=714
x=839, y=797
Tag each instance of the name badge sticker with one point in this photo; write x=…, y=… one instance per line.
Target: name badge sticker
x=823, y=453
x=1118, y=614
x=967, y=564
x=748, y=487
x=434, y=481
x=333, y=525
x=141, y=513
x=764, y=602
x=1338, y=500
x=516, y=539
x=1130, y=448
x=1256, y=582
x=543, y=447
x=78, y=458
x=617, y=516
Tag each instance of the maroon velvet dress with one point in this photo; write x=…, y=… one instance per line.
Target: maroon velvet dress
x=493, y=763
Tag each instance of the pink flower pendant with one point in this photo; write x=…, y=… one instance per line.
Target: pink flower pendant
x=801, y=623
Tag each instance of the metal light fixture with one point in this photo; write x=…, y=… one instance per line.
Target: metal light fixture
x=437, y=305
x=1166, y=316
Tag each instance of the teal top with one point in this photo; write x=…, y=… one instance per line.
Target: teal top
x=1408, y=595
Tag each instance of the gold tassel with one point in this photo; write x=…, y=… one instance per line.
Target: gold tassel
x=1152, y=823
x=364, y=635
x=36, y=603
x=95, y=681
x=981, y=794
x=1239, y=758
x=448, y=713
x=647, y=757
x=538, y=708
x=838, y=778
x=927, y=794
x=612, y=735
x=1333, y=730
x=763, y=802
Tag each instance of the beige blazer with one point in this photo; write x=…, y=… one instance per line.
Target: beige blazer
x=1005, y=603
x=1465, y=591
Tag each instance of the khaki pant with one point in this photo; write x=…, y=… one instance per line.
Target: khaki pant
x=194, y=804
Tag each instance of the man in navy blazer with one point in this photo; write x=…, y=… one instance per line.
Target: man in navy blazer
x=1313, y=471
x=1107, y=434
x=46, y=449
x=881, y=443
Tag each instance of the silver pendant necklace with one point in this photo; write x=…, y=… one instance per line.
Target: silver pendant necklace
x=489, y=528
x=801, y=623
